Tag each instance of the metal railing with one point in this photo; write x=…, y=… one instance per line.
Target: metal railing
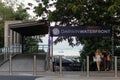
x=35, y=49
x=86, y=66
x=18, y=49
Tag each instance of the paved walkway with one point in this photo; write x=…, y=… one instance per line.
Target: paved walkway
x=80, y=76
x=17, y=77
x=23, y=63
x=77, y=78
x=64, y=76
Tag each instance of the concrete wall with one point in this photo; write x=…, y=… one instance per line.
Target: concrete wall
x=8, y=34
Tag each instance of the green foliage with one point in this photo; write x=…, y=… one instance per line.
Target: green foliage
x=93, y=43
x=1, y=35
x=39, y=10
x=30, y=45
x=41, y=51
x=117, y=51
x=6, y=12
x=21, y=14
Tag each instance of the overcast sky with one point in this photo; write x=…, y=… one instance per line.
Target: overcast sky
x=63, y=48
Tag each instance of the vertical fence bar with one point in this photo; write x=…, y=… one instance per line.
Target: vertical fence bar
x=34, y=65
x=87, y=66
x=6, y=54
x=115, y=66
x=10, y=64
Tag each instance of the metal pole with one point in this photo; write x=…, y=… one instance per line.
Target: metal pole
x=6, y=56
x=60, y=64
x=4, y=53
x=84, y=64
x=34, y=65
x=115, y=66
x=12, y=42
x=48, y=66
x=10, y=64
x=51, y=53
x=87, y=66
x=112, y=65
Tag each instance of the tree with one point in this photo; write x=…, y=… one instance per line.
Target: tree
x=8, y=13
x=21, y=13
x=1, y=35
x=82, y=13
x=31, y=44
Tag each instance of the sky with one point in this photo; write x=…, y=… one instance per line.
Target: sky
x=31, y=7
x=62, y=48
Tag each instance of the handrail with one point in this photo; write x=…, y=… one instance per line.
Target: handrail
x=18, y=49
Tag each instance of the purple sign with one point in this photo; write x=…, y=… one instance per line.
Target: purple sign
x=80, y=31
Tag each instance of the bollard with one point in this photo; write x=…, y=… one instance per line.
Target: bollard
x=87, y=66
x=115, y=66
x=4, y=56
x=10, y=64
x=34, y=66
x=60, y=64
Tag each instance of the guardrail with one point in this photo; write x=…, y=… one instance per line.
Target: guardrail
x=35, y=48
